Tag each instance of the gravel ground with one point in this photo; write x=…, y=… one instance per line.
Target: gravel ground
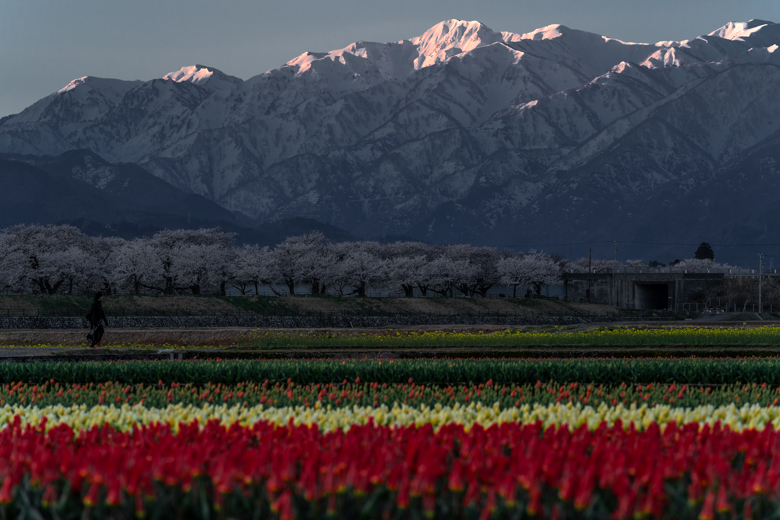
x=158, y=337
x=19, y=352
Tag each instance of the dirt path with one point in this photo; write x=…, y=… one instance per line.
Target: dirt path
x=157, y=337
x=224, y=337
x=213, y=337
x=26, y=354
x=232, y=337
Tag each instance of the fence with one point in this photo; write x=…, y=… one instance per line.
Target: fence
x=727, y=271
x=78, y=313
x=728, y=307
x=286, y=312
x=298, y=322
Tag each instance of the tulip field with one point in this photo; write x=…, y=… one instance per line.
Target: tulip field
x=391, y=439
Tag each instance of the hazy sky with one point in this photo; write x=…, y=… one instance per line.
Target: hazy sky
x=46, y=43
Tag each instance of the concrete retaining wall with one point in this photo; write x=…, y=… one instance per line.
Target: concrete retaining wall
x=289, y=322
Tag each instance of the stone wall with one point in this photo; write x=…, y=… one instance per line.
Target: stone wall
x=289, y=322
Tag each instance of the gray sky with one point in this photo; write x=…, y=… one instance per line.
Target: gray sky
x=46, y=43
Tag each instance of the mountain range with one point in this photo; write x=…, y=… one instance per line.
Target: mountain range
x=80, y=188
x=462, y=134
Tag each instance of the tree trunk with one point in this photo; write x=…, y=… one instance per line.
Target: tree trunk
x=273, y=289
x=315, y=287
x=361, y=289
x=408, y=291
x=291, y=287
x=52, y=289
x=195, y=289
x=514, y=291
x=222, y=291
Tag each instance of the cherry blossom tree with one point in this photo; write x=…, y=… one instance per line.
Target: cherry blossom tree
x=191, y=266
x=513, y=273
x=484, y=262
x=535, y=269
x=13, y=262
x=443, y=274
x=79, y=268
x=405, y=273
x=358, y=265
x=251, y=262
x=596, y=265
x=296, y=261
x=700, y=265
x=405, y=261
x=41, y=248
x=101, y=251
x=315, y=262
x=174, y=249
x=136, y=265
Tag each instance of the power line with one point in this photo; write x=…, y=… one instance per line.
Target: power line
x=638, y=243
x=694, y=244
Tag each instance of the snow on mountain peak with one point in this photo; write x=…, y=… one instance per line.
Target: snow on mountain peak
x=104, y=85
x=549, y=32
x=740, y=30
x=439, y=43
x=450, y=38
x=73, y=84
x=197, y=74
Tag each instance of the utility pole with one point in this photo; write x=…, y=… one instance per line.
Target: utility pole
x=760, y=268
x=590, y=269
x=614, y=266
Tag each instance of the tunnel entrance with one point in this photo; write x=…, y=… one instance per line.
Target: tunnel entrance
x=651, y=296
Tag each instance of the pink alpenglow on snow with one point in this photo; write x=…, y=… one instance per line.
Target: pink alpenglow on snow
x=195, y=74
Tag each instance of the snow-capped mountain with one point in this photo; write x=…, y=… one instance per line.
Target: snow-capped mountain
x=462, y=133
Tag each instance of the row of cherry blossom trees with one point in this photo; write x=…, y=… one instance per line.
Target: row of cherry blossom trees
x=61, y=259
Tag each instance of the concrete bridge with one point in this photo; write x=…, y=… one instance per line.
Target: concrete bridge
x=638, y=290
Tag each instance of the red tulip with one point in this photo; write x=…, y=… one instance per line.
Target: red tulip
x=708, y=509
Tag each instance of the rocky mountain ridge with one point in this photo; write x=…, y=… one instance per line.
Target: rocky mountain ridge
x=461, y=134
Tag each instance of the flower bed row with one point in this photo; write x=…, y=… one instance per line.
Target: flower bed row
x=428, y=371
x=373, y=394
x=504, y=471
x=126, y=417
